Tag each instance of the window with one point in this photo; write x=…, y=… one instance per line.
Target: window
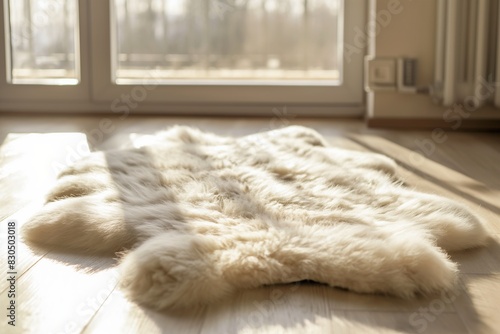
x=43, y=42
x=224, y=56
x=258, y=40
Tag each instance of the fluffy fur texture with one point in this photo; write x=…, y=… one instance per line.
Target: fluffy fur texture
x=203, y=215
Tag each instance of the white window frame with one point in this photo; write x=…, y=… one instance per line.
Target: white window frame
x=96, y=91
x=46, y=93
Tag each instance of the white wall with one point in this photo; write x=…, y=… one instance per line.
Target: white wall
x=409, y=30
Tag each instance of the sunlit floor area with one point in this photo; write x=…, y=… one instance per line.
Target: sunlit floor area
x=58, y=292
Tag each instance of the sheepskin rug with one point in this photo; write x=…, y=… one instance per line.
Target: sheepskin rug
x=196, y=216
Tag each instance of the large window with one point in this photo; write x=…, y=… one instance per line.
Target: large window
x=187, y=55
x=258, y=40
x=43, y=39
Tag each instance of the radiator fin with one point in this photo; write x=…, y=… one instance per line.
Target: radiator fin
x=467, y=52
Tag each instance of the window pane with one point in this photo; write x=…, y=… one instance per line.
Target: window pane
x=44, y=41
x=256, y=40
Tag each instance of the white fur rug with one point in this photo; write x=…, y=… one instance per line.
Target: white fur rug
x=206, y=215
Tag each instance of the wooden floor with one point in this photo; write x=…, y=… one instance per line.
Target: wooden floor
x=65, y=293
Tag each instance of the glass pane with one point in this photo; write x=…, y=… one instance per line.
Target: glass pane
x=260, y=40
x=44, y=41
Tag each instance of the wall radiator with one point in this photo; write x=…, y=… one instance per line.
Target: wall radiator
x=468, y=53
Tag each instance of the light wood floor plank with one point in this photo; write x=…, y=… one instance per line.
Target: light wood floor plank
x=60, y=293
x=26, y=256
x=118, y=315
x=462, y=152
x=484, y=260
x=30, y=163
x=383, y=322
x=478, y=309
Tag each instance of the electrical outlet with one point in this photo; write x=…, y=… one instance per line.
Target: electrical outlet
x=380, y=74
